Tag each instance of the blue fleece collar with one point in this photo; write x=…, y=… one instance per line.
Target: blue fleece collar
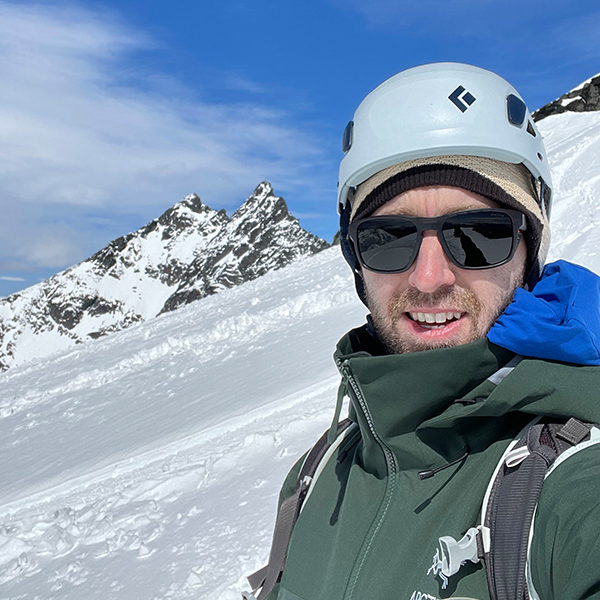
x=559, y=319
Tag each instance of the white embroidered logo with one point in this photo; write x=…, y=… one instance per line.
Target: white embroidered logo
x=436, y=569
x=421, y=596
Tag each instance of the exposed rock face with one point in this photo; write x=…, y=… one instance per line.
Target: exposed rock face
x=260, y=236
x=584, y=98
x=188, y=253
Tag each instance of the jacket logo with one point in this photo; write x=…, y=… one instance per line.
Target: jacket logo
x=462, y=103
x=422, y=596
x=436, y=569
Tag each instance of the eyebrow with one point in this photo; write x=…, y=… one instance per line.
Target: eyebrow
x=410, y=213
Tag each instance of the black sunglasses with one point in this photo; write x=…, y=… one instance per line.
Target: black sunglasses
x=472, y=239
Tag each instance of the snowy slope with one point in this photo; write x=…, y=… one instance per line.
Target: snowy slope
x=188, y=253
x=147, y=464
x=573, y=145
x=142, y=463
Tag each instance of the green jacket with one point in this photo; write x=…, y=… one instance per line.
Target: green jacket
x=370, y=528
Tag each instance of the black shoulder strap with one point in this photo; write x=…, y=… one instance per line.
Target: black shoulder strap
x=513, y=500
x=268, y=576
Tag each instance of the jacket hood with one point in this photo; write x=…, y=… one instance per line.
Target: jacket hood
x=427, y=407
x=559, y=319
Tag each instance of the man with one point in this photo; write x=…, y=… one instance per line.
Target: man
x=444, y=197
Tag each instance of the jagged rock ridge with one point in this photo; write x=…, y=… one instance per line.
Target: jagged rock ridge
x=584, y=98
x=190, y=252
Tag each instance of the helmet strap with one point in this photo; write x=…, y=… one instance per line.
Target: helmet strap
x=348, y=252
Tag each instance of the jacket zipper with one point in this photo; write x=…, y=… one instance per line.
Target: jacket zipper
x=392, y=470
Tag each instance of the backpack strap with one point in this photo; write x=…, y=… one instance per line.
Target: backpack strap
x=587, y=441
x=289, y=511
x=512, y=502
x=503, y=538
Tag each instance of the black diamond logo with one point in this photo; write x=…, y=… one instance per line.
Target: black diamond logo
x=461, y=98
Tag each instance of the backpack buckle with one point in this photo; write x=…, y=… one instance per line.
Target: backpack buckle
x=455, y=554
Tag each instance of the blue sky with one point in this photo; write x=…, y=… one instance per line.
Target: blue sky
x=110, y=112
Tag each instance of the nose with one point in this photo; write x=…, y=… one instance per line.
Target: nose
x=432, y=269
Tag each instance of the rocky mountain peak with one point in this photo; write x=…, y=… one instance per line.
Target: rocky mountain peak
x=188, y=214
x=584, y=98
x=267, y=237
x=263, y=190
x=264, y=207
x=189, y=252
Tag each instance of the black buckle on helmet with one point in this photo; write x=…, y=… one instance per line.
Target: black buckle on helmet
x=543, y=195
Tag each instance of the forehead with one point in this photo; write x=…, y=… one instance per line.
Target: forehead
x=433, y=201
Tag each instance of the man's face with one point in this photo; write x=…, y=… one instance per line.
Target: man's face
x=436, y=304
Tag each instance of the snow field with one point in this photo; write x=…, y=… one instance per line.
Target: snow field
x=160, y=528
x=573, y=145
x=147, y=464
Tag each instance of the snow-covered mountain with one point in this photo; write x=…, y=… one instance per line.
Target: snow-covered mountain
x=147, y=464
x=188, y=253
x=584, y=98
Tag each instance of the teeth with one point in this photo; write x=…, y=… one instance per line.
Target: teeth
x=434, y=317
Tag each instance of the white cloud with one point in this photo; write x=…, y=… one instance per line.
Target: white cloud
x=86, y=132
x=8, y=278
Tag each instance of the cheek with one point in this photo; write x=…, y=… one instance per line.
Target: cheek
x=520, y=257
x=495, y=287
x=381, y=288
x=513, y=274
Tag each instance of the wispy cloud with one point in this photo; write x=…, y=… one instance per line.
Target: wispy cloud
x=530, y=28
x=539, y=44
x=459, y=17
x=8, y=278
x=235, y=81
x=88, y=135
x=427, y=15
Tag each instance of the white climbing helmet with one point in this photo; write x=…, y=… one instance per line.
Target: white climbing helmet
x=442, y=109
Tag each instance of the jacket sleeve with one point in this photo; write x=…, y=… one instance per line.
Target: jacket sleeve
x=287, y=489
x=565, y=550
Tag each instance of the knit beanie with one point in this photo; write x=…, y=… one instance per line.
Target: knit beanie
x=510, y=185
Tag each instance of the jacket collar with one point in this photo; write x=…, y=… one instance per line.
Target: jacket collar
x=408, y=398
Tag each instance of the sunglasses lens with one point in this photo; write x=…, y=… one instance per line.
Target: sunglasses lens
x=387, y=246
x=481, y=239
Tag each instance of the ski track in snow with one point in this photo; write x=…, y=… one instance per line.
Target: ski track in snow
x=147, y=464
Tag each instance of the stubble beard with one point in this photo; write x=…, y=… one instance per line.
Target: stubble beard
x=386, y=318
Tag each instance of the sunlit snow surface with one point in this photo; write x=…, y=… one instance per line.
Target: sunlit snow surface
x=147, y=464
x=573, y=144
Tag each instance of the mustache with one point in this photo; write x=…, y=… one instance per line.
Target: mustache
x=461, y=300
